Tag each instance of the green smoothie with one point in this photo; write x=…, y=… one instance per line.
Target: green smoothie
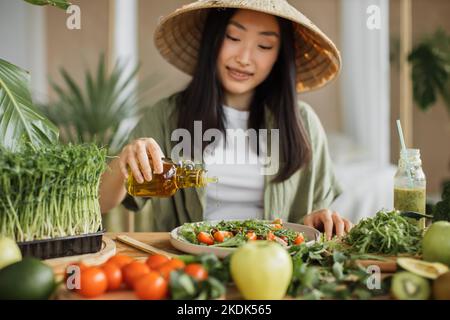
x=410, y=200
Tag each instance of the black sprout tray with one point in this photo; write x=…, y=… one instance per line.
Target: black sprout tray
x=63, y=247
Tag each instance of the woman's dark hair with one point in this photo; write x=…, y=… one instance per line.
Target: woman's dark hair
x=202, y=100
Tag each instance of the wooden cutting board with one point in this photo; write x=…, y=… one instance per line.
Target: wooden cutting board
x=388, y=264
x=63, y=294
x=107, y=251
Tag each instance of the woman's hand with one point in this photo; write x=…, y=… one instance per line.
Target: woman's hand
x=137, y=155
x=327, y=220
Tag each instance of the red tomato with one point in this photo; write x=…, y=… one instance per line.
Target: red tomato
x=251, y=235
x=205, y=238
x=196, y=271
x=168, y=267
x=299, y=239
x=134, y=271
x=151, y=286
x=221, y=236
x=278, y=221
x=121, y=260
x=156, y=261
x=113, y=275
x=270, y=236
x=93, y=282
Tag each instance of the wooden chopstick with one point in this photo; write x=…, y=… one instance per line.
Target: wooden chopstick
x=143, y=246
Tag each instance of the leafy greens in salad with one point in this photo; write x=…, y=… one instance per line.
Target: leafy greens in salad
x=232, y=234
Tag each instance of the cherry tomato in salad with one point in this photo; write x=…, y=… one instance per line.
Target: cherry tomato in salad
x=299, y=239
x=221, y=236
x=251, y=235
x=278, y=221
x=205, y=238
x=270, y=236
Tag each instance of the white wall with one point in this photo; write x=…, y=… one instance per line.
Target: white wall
x=23, y=42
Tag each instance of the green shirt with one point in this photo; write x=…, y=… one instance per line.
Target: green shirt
x=312, y=188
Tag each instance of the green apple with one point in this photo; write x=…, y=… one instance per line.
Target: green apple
x=262, y=270
x=436, y=243
x=9, y=252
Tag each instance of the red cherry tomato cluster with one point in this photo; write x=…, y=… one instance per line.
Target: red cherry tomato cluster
x=149, y=280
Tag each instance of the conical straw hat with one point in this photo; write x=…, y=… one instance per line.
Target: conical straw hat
x=178, y=38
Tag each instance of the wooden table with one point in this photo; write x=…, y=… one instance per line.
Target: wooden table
x=158, y=240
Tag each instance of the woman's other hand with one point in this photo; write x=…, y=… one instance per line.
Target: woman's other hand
x=329, y=222
x=137, y=156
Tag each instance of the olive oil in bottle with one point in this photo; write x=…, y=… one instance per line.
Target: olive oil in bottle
x=174, y=177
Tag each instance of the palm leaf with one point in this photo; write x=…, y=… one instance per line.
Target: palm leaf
x=104, y=111
x=62, y=4
x=19, y=120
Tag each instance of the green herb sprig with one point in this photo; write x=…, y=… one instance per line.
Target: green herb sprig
x=387, y=233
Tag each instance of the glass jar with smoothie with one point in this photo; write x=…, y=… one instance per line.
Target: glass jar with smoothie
x=410, y=184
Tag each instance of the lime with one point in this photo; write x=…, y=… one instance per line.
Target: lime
x=29, y=279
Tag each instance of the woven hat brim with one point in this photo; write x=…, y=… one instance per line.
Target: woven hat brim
x=178, y=38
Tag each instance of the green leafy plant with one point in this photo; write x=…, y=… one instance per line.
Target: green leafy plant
x=63, y=4
x=430, y=62
x=387, y=233
x=20, y=122
x=51, y=193
x=103, y=112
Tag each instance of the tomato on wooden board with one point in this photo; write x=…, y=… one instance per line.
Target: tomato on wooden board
x=93, y=282
x=134, y=271
x=196, y=271
x=113, y=275
x=221, y=236
x=120, y=260
x=168, y=267
x=156, y=261
x=205, y=238
x=151, y=286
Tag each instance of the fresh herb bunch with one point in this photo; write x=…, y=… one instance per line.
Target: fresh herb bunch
x=51, y=193
x=387, y=233
x=184, y=287
x=322, y=271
